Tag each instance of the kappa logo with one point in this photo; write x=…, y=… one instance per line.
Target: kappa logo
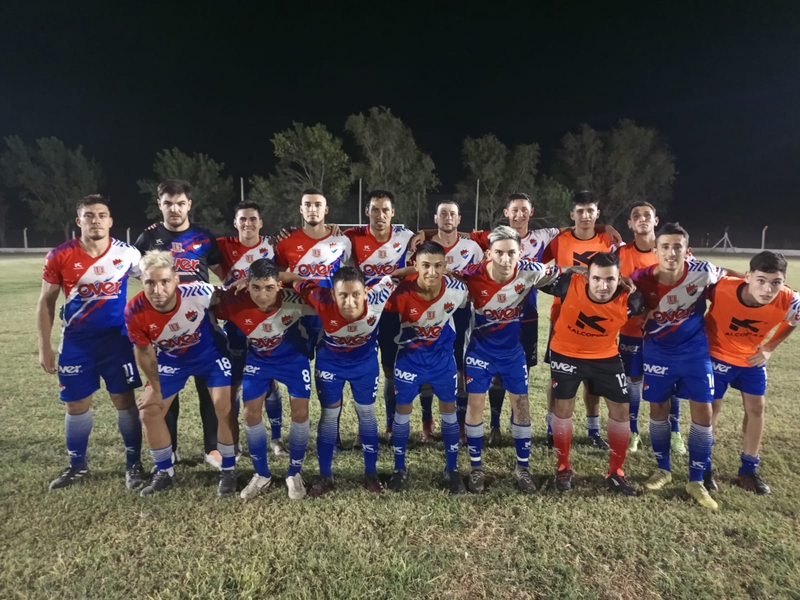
x=186, y=264
x=192, y=315
x=286, y=319
x=484, y=293
x=747, y=324
x=248, y=321
x=77, y=265
x=235, y=252
x=414, y=311
x=334, y=323
x=698, y=464
x=582, y=258
x=153, y=326
x=475, y=362
x=449, y=307
x=301, y=249
x=325, y=375
x=406, y=376
x=167, y=370
x=691, y=289
x=159, y=241
x=720, y=368
x=369, y=448
x=593, y=322
x=174, y=326
x=69, y=369
x=655, y=369
x=562, y=367
x=366, y=248
x=118, y=264
x=519, y=288
x=371, y=320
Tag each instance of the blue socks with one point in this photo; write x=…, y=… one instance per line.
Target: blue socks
x=77, y=429
x=327, y=430
x=675, y=414
x=274, y=409
x=257, y=444
x=700, y=442
x=298, y=443
x=131, y=430
x=368, y=430
x=497, y=395
x=228, y=452
x=450, y=440
x=389, y=399
x=522, y=442
x=162, y=457
x=659, y=438
x=749, y=463
x=593, y=425
x=475, y=444
x=635, y=398
x=401, y=430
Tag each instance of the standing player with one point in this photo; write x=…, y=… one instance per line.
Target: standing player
x=498, y=288
x=269, y=317
x=175, y=339
x=347, y=353
x=378, y=250
x=639, y=255
x=460, y=253
x=742, y=313
x=676, y=354
x=237, y=255
x=93, y=271
x=575, y=247
x=426, y=304
x=195, y=252
x=583, y=348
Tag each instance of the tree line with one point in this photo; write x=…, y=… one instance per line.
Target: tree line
x=622, y=165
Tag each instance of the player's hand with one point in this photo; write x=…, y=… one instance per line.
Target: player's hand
x=760, y=358
x=416, y=241
x=47, y=360
x=285, y=233
x=626, y=283
x=153, y=226
x=149, y=397
x=453, y=275
x=238, y=285
x=616, y=238
x=333, y=229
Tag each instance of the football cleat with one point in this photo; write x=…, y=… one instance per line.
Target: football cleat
x=676, y=444
x=617, y=482
x=495, y=438
x=135, y=477
x=253, y=489
x=524, y=482
x=752, y=483
x=658, y=480
x=427, y=432
x=278, y=449
x=709, y=481
x=296, y=487
x=453, y=483
x=633, y=444
x=598, y=443
x=398, y=481
x=698, y=491
x=161, y=481
x=69, y=476
x=476, y=481
x=213, y=458
x=324, y=485
x=227, y=483
x=563, y=480
x=372, y=483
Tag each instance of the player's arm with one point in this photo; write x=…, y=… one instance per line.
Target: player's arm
x=559, y=286
x=218, y=271
x=289, y=278
x=148, y=363
x=45, y=316
x=635, y=303
x=785, y=329
x=404, y=272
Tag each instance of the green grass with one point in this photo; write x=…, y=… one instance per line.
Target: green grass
x=100, y=541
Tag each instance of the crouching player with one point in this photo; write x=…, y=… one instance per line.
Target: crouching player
x=426, y=304
x=498, y=288
x=583, y=348
x=347, y=352
x=269, y=318
x=174, y=339
x=742, y=313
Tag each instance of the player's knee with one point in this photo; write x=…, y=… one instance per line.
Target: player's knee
x=403, y=409
x=78, y=407
x=123, y=401
x=754, y=406
x=252, y=412
x=299, y=409
x=151, y=414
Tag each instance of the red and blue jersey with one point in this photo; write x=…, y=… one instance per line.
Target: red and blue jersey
x=463, y=253
x=427, y=325
x=236, y=258
x=496, y=307
x=377, y=259
x=275, y=335
x=352, y=341
x=675, y=322
x=95, y=288
x=186, y=333
x=313, y=259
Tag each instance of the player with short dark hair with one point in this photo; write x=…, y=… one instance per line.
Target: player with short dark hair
x=174, y=339
x=742, y=313
x=93, y=271
x=498, y=288
x=676, y=356
x=426, y=304
x=268, y=317
x=583, y=349
x=195, y=252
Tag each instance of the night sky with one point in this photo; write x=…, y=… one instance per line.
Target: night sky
x=720, y=80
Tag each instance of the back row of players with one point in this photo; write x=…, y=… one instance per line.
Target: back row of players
x=477, y=294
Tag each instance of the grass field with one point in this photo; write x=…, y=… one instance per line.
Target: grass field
x=98, y=540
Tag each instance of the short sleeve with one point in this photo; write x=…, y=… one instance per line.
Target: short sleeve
x=481, y=238
x=551, y=251
x=635, y=303
x=214, y=256
x=52, y=271
x=793, y=314
x=136, y=335
x=136, y=257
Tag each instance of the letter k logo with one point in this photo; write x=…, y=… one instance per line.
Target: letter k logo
x=585, y=321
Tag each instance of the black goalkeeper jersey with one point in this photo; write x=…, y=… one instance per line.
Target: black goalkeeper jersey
x=193, y=249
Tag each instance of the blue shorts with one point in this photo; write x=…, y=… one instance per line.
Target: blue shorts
x=689, y=378
x=330, y=377
x=173, y=374
x=749, y=380
x=388, y=330
x=479, y=370
x=81, y=364
x=632, y=353
x=412, y=369
x=237, y=348
x=294, y=373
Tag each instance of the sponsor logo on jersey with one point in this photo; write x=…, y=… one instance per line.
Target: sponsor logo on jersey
x=265, y=344
x=69, y=369
x=502, y=314
x=99, y=288
x=406, y=376
x=562, y=367
x=378, y=270
x=743, y=324
x=382, y=254
x=186, y=264
x=629, y=348
x=592, y=322
x=720, y=368
x=325, y=375
x=501, y=297
x=691, y=289
x=267, y=327
x=352, y=328
x=118, y=264
x=192, y=315
x=251, y=369
x=655, y=369
x=673, y=316
x=349, y=340
x=475, y=362
x=167, y=370
x=431, y=331
x=179, y=341
x=316, y=252
x=314, y=270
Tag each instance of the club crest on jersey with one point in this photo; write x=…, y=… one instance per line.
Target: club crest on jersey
x=691, y=289
x=371, y=321
x=286, y=319
x=672, y=299
x=263, y=251
x=177, y=247
x=381, y=253
x=519, y=287
x=465, y=253
x=99, y=270
x=192, y=315
x=267, y=327
x=352, y=328
x=501, y=297
x=118, y=264
x=174, y=326
x=449, y=306
x=396, y=245
x=334, y=247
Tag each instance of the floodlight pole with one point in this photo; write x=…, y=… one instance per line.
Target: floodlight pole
x=128, y=236
x=25, y=238
x=360, y=211
x=241, y=187
x=763, y=235
x=477, y=199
